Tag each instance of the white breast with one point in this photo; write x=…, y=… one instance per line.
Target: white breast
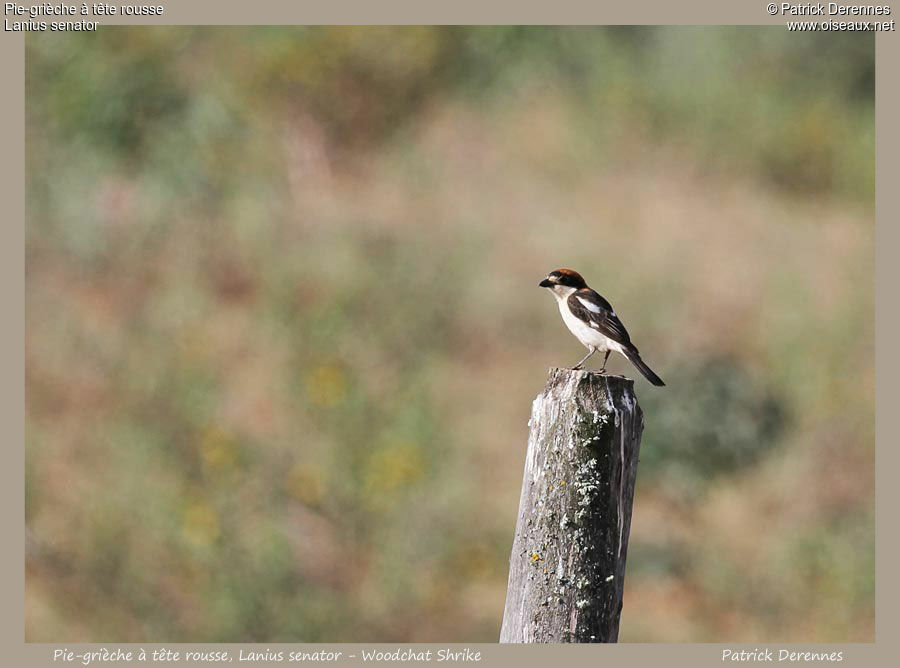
x=588, y=336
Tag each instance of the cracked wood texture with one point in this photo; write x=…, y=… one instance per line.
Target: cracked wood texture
x=567, y=568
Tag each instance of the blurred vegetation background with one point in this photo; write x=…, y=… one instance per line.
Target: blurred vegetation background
x=284, y=330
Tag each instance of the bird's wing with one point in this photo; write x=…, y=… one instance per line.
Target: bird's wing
x=599, y=314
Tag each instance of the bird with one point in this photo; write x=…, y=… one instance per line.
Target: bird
x=593, y=321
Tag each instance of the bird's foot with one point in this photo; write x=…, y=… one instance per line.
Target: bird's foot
x=578, y=367
x=603, y=370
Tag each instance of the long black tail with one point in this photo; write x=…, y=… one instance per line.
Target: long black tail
x=635, y=359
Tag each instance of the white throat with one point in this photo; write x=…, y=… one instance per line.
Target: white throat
x=562, y=292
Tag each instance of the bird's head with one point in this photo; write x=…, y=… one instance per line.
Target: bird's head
x=563, y=282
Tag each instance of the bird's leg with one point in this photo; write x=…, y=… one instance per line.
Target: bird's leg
x=584, y=359
x=603, y=369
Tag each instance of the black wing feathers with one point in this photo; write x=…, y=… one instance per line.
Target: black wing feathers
x=598, y=313
x=601, y=316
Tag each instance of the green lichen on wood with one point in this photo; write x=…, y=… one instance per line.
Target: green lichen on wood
x=576, y=507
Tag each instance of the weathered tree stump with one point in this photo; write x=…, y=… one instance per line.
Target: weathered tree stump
x=567, y=569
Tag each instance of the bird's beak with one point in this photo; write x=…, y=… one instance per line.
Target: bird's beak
x=545, y=284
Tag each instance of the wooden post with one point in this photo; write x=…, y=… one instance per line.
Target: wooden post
x=567, y=569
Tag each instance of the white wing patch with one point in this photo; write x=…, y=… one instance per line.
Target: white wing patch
x=589, y=306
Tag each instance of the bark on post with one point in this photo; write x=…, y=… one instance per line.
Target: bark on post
x=567, y=569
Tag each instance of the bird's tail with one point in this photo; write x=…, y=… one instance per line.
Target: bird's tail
x=635, y=358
